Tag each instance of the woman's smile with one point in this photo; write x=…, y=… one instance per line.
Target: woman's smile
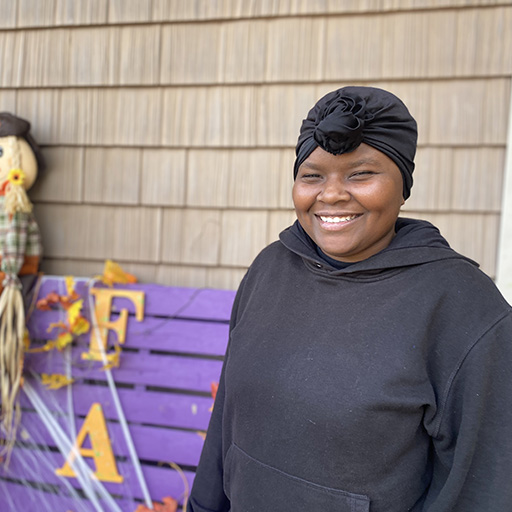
x=338, y=221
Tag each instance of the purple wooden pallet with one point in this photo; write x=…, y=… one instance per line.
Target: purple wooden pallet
x=156, y=408
x=174, y=372
x=187, y=336
x=170, y=302
x=179, y=324
x=151, y=443
x=25, y=498
x=161, y=481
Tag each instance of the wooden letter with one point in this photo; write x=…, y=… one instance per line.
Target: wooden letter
x=101, y=449
x=102, y=309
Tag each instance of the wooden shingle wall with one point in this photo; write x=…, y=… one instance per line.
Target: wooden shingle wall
x=169, y=126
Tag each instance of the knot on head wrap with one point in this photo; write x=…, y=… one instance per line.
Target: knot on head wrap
x=343, y=119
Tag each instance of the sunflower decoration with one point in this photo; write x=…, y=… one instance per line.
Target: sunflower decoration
x=20, y=250
x=16, y=177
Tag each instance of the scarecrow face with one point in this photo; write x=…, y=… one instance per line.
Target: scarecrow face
x=15, y=153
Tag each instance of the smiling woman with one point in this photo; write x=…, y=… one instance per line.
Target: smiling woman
x=368, y=365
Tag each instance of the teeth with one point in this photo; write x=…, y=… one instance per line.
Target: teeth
x=337, y=219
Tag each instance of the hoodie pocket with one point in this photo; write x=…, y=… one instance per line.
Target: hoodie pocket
x=253, y=486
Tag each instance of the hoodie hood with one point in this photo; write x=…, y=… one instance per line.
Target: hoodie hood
x=416, y=242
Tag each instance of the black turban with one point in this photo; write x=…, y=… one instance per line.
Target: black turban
x=343, y=119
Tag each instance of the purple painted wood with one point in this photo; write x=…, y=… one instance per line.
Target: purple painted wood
x=154, y=408
x=162, y=300
x=210, y=304
x=151, y=443
x=18, y=498
x=161, y=481
x=39, y=321
x=188, y=336
x=185, y=302
x=164, y=371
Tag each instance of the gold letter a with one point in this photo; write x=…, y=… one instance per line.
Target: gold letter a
x=101, y=449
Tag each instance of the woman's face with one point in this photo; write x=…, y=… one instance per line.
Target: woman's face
x=348, y=204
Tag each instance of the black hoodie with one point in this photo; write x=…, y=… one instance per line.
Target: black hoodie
x=385, y=386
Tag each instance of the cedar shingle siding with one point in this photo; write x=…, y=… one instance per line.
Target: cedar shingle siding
x=169, y=126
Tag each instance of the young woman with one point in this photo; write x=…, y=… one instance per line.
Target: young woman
x=369, y=365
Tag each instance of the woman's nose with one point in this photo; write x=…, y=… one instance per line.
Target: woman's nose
x=334, y=190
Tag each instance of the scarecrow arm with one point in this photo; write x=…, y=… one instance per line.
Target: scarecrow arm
x=14, y=241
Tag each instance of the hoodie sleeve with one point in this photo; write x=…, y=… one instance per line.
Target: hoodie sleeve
x=207, y=494
x=473, y=446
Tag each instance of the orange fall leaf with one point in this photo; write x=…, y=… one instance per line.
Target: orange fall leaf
x=68, y=300
x=113, y=273
x=215, y=387
x=168, y=505
x=53, y=297
x=63, y=340
x=80, y=326
x=57, y=325
x=49, y=345
x=43, y=305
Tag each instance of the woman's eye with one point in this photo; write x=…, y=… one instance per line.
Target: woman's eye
x=1, y=151
x=362, y=174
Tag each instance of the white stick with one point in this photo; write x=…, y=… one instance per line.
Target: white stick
x=122, y=419
x=84, y=474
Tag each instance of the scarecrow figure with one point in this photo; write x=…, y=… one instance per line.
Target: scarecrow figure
x=20, y=250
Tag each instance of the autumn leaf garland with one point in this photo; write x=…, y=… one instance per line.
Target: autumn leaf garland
x=74, y=325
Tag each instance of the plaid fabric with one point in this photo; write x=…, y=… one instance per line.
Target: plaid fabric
x=19, y=237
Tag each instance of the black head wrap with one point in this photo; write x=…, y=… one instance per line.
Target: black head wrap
x=343, y=119
x=18, y=127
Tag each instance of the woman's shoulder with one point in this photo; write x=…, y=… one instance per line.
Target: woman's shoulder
x=274, y=253
x=461, y=274
x=463, y=293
